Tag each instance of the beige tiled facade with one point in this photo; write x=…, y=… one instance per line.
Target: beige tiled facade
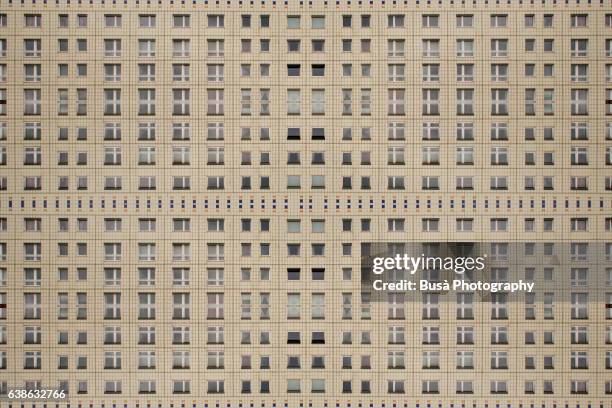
x=187, y=189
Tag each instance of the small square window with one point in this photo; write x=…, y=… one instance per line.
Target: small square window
x=62, y=274
x=347, y=70
x=63, y=20
x=82, y=274
x=366, y=70
x=366, y=21
x=246, y=20
x=549, y=45
x=81, y=69
x=62, y=69
x=347, y=45
x=347, y=21
x=549, y=70
x=81, y=45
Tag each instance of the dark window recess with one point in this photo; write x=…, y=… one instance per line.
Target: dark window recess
x=318, y=337
x=293, y=134
x=293, y=337
x=318, y=69
x=318, y=133
x=293, y=69
x=318, y=273
x=293, y=273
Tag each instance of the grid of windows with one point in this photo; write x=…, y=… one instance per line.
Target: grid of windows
x=231, y=157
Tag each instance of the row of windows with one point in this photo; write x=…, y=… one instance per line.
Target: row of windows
x=395, y=131
x=318, y=386
x=262, y=225
x=369, y=203
x=431, y=101
x=577, y=20
x=396, y=360
x=430, y=48
x=396, y=155
x=395, y=335
x=215, y=276
x=396, y=72
x=431, y=307
x=316, y=182
x=181, y=251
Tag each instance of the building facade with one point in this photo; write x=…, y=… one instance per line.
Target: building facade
x=187, y=191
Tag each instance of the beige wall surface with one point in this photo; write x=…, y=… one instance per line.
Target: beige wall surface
x=187, y=189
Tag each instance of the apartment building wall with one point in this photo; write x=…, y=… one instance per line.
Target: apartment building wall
x=392, y=122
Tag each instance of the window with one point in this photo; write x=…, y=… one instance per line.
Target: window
x=499, y=101
x=181, y=48
x=317, y=22
x=215, y=306
x=465, y=48
x=549, y=45
x=112, y=20
x=499, y=48
x=215, y=102
x=32, y=101
x=181, y=21
x=579, y=306
x=579, y=156
x=431, y=48
x=146, y=104
x=430, y=21
x=396, y=102
x=430, y=155
x=245, y=102
x=112, y=101
x=430, y=101
x=396, y=72
x=430, y=224
x=465, y=72
x=146, y=21
x=579, y=72
x=499, y=20
x=395, y=20
x=146, y=48
x=578, y=20
x=549, y=70
x=293, y=22
x=465, y=101
x=215, y=20
x=579, y=102
x=32, y=20
x=318, y=102
x=215, y=48
x=465, y=20
x=112, y=72
x=319, y=45
x=465, y=156
x=499, y=72
x=396, y=48
x=32, y=72
x=579, y=47
x=347, y=21
x=431, y=72
x=293, y=102
x=112, y=48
